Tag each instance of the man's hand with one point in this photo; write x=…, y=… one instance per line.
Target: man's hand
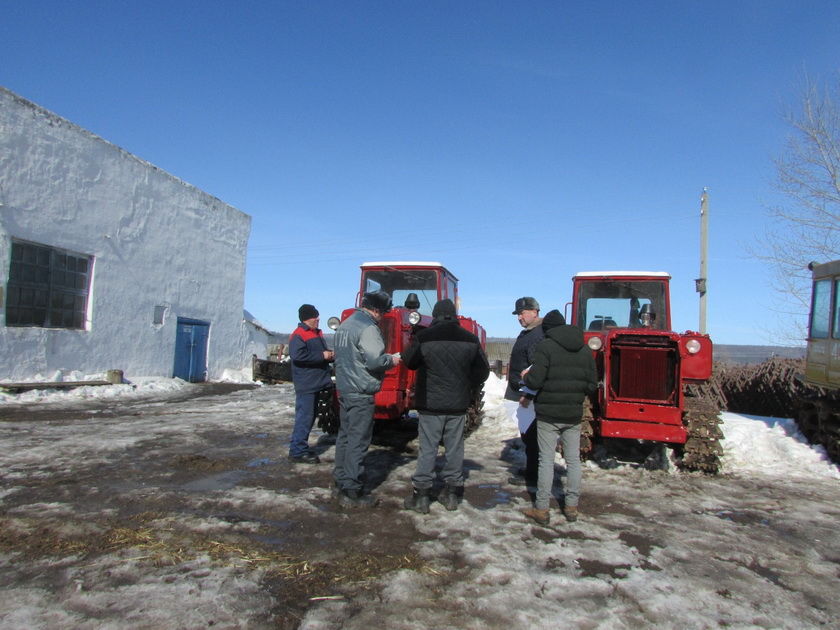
x=395, y=358
x=524, y=401
x=329, y=355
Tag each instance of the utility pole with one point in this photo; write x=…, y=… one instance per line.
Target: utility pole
x=700, y=283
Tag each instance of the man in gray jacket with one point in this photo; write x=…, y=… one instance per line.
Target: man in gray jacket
x=360, y=366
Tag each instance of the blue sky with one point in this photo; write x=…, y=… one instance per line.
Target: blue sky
x=515, y=142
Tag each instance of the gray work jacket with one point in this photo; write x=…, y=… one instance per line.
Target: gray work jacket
x=360, y=359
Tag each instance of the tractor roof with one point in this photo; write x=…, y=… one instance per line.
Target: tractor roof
x=403, y=264
x=622, y=274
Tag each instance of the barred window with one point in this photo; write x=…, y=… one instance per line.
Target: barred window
x=48, y=287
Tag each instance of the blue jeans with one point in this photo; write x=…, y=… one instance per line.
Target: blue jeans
x=304, y=420
x=547, y=435
x=430, y=429
x=353, y=440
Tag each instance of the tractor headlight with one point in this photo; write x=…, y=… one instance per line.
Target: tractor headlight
x=594, y=343
x=414, y=317
x=333, y=322
x=693, y=346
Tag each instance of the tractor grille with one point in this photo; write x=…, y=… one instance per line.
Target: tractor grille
x=644, y=368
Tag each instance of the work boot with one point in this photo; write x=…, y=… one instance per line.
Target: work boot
x=571, y=513
x=518, y=480
x=355, y=499
x=419, y=501
x=542, y=517
x=451, y=496
x=305, y=458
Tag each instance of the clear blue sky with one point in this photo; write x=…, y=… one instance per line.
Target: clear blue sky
x=515, y=142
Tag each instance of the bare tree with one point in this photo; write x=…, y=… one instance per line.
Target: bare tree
x=807, y=228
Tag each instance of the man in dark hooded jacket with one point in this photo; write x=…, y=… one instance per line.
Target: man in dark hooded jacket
x=563, y=373
x=451, y=366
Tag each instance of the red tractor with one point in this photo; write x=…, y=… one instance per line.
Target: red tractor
x=414, y=288
x=646, y=370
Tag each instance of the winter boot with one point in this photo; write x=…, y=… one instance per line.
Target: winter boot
x=571, y=513
x=355, y=499
x=451, y=497
x=419, y=501
x=542, y=517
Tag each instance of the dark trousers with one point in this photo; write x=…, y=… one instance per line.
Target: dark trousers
x=431, y=429
x=353, y=440
x=532, y=454
x=304, y=419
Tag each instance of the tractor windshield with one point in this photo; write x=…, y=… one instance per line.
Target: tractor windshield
x=621, y=304
x=400, y=283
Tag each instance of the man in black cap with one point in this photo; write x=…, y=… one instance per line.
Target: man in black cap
x=311, y=373
x=527, y=311
x=360, y=366
x=450, y=365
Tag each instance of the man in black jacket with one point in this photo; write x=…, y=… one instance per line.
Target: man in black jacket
x=563, y=373
x=527, y=311
x=451, y=365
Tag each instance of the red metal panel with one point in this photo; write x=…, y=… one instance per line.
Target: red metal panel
x=389, y=404
x=696, y=366
x=643, y=431
x=644, y=412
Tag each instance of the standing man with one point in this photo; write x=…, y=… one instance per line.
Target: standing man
x=563, y=373
x=451, y=366
x=527, y=311
x=310, y=374
x=360, y=366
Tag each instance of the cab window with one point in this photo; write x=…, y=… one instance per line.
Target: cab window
x=821, y=309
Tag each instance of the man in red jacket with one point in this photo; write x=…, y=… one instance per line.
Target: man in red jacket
x=311, y=373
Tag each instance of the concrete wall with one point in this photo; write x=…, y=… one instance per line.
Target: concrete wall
x=155, y=241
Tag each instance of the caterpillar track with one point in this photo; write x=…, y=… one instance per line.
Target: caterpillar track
x=702, y=449
x=818, y=417
x=475, y=414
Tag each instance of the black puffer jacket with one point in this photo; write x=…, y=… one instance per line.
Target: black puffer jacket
x=564, y=373
x=450, y=364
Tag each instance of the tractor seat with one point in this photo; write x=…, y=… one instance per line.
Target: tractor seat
x=600, y=324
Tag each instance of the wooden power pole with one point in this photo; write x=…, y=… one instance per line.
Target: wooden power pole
x=700, y=283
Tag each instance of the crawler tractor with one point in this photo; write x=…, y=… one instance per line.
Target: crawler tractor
x=818, y=413
x=645, y=370
x=414, y=288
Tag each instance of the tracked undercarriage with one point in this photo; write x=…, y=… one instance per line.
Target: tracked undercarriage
x=818, y=417
x=701, y=451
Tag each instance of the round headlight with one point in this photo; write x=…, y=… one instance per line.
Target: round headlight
x=414, y=317
x=594, y=343
x=693, y=346
x=333, y=322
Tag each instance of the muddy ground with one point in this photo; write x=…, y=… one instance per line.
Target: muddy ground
x=194, y=492
x=308, y=555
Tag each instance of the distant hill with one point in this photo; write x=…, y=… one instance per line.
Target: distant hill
x=498, y=348
x=756, y=354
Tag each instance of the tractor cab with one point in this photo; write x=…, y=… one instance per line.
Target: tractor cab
x=621, y=299
x=413, y=286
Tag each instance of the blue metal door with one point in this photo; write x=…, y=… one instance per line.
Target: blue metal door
x=191, y=350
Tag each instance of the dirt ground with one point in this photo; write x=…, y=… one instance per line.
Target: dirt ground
x=185, y=489
x=310, y=555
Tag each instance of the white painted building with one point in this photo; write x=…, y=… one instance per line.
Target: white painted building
x=108, y=262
